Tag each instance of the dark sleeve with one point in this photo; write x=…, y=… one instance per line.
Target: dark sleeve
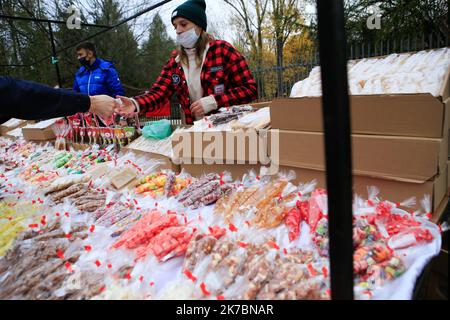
x=29, y=100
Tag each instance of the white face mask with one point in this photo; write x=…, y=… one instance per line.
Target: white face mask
x=188, y=39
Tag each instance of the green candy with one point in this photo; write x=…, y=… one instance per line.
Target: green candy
x=390, y=271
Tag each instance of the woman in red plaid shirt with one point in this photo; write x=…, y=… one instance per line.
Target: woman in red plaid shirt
x=205, y=74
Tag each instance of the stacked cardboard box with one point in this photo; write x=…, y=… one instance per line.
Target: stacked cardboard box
x=400, y=142
x=12, y=124
x=246, y=153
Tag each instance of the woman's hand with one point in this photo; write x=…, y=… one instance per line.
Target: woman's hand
x=127, y=108
x=197, y=110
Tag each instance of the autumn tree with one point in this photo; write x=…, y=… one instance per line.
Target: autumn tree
x=250, y=17
x=285, y=19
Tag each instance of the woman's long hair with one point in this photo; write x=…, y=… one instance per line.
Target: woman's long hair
x=202, y=42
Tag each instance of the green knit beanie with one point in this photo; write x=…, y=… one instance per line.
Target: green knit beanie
x=194, y=11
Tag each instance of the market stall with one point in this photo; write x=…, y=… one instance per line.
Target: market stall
x=102, y=224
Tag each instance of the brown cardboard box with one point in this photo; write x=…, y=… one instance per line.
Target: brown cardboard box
x=12, y=124
x=14, y=134
x=405, y=158
x=236, y=170
x=260, y=105
x=395, y=191
x=449, y=144
x=439, y=211
x=448, y=177
x=31, y=134
x=391, y=190
x=415, y=115
x=238, y=146
x=41, y=131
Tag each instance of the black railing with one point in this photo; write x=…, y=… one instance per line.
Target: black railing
x=297, y=69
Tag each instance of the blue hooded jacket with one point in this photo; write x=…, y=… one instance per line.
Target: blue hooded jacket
x=100, y=78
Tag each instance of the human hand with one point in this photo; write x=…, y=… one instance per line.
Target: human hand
x=197, y=110
x=127, y=108
x=103, y=106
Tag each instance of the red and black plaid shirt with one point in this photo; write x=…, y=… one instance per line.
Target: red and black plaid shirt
x=225, y=75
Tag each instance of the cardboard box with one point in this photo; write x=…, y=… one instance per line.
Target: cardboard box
x=439, y=211
x=395, y=191
x=12, y=124
x=41, y=131
x=449, y=144
x=398, y=158
x=414, y=115
x=14, y=134
x=260, y=105
x=241, y=147
x=448, y=177
x=391, y=190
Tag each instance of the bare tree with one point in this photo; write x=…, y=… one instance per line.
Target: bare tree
x=285, y=18
x=252, y=15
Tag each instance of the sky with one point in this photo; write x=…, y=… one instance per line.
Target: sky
x=217, y=11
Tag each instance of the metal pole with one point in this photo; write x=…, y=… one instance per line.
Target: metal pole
x=4, y=16
x=54, y=57
x=336, y=116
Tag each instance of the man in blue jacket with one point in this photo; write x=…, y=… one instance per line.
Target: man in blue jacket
x=96, y=76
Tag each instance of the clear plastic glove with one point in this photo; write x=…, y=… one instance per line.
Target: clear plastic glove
x=126, y=107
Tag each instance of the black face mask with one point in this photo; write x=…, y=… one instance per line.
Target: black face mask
x=84, y=62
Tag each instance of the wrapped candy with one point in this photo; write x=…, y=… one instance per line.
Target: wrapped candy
x=159, y=234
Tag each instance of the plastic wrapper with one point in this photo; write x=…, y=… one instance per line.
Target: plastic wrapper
x=162, y=184
x=229, y=269
x=161, y=235
x=421, y=72
x=39, y=262
x=206, y=190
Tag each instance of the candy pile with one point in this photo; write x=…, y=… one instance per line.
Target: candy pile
x=162, y=184
x=36, y=266
x=204, y=191
x=267, y=204
x=156, y=233
x=236, y=270
x=67, y=233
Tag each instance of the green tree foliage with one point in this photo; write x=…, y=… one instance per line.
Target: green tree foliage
x=25, y=43
x=156, y=49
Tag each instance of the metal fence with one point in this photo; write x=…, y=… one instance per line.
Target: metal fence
x=292, y=71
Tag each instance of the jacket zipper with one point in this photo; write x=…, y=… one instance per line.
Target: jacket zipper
x=89, y=81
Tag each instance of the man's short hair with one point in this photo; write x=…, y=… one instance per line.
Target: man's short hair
x=88, y=46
